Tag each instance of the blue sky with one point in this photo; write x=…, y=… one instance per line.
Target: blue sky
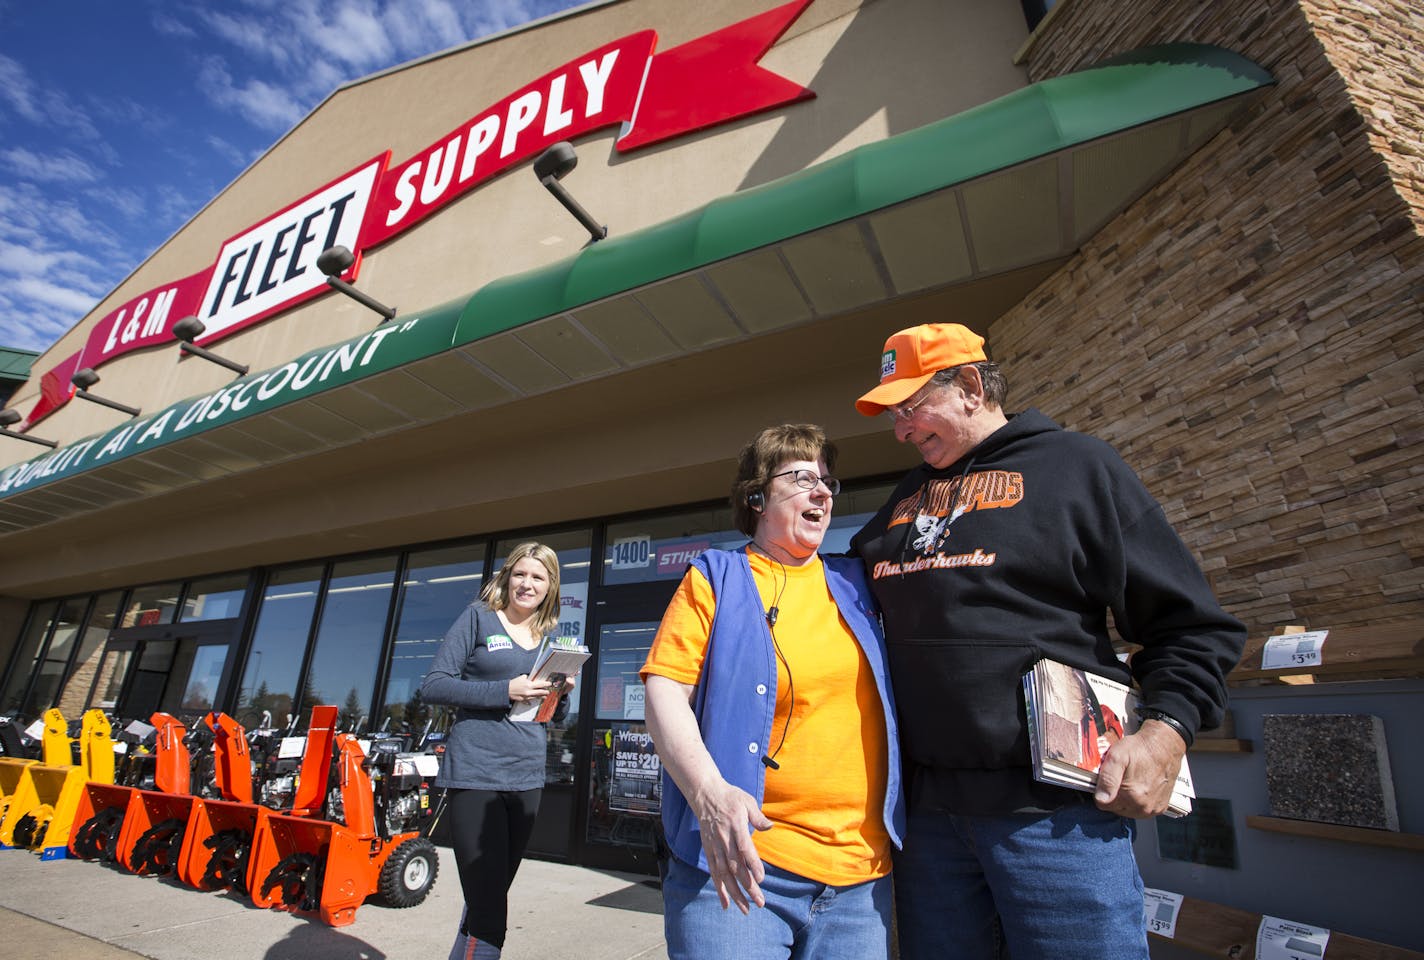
x=120, y=119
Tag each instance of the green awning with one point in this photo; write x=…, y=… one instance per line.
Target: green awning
x=1018, y=181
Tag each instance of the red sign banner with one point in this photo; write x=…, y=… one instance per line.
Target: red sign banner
x=270, y=267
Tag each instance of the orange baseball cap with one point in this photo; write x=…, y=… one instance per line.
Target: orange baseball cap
x=912, y=356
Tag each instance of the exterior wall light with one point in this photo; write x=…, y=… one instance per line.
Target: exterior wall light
x=553, y=165
x=335, y=261
x=85, y=379
x=189, y=329
x=9, y=418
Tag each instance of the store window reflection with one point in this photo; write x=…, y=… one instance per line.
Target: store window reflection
x=149, y=605
x=627, y=778
x=438, y=585
x=348, y=640
x=27, y=655
x=215, y=598
x=574, y=549
x=56, y=654
x=269, y=682
x=80, y=681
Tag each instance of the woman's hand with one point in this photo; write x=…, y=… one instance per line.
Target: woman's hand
x=522, y=689
x=724, y=813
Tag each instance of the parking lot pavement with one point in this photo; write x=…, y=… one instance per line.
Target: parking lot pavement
x=79, y=910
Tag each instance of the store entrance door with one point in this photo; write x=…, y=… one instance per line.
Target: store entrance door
x=618, y=821
x=180, y=669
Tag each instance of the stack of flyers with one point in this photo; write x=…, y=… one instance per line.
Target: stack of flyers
x=1074, y=716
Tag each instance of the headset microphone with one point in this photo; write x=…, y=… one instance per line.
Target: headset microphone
x=772, y=764
x=771, y=614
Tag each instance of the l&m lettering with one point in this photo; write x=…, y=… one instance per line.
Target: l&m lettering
x=122, y=333
x=282, y=247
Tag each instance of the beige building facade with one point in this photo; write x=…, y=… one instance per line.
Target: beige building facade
x=1191, y=229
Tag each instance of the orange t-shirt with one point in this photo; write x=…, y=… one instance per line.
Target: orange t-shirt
x=827, y=800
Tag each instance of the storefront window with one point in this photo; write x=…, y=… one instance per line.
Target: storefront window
x=91, y=647
x=151, y=604
x=853, y=508
x=574, y=549
x=56, y=655
x=622, y=648
x=348, y=641
x=27, y=655
x=627, y=778
x=660, y=548
x=215, y=598
x=438, y=585
x=269, y=682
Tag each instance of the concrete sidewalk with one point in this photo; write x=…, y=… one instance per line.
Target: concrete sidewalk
x=77, y=910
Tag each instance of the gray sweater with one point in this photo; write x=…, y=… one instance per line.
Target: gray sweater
x=471, y=672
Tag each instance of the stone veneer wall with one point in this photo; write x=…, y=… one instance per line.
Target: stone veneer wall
x=1378, y=48
x=1249, y=333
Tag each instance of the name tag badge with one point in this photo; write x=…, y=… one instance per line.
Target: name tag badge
x=499, y=641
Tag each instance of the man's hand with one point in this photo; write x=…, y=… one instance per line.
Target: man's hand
x=1138, y=772
x=724, y=813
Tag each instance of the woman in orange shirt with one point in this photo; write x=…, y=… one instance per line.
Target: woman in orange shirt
x=768, y=699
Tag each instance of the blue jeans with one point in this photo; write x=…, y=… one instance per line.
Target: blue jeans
x=802, y=919
x=1045, y=886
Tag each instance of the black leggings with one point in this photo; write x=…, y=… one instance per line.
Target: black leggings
x=489, y=830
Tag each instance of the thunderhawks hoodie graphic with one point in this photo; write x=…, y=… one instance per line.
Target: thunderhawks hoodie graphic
x=1017, y=552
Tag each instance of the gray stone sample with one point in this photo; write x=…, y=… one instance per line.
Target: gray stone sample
x=1331, y=768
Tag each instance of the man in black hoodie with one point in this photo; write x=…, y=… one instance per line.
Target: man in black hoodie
x=1012, y=542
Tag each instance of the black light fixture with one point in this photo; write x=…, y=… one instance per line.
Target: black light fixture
x=335, y=261
x=553, y=165
x=191, y=328
x=9, y=418
x=85, y=379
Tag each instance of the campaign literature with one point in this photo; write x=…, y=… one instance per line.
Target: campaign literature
x=558, y=660
x=1074, y=717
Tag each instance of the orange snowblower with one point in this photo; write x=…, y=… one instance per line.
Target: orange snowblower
x=98, y=832
x=156, y=820
x=301, y=863
x=217, y=847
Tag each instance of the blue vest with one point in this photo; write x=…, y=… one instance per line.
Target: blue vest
x=735, y=697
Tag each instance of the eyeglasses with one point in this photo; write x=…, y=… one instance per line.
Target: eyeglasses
x=902, y=412
x=807, y=480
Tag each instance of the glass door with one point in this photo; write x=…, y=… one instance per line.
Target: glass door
x=183, y=670
x=619, y=819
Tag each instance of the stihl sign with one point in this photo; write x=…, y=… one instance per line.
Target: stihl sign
x=271, y=267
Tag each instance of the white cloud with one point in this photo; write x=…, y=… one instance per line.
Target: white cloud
x=46, y=108
x=63, y=167
x=264, y=105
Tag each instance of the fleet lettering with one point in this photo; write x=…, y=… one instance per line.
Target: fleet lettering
x=519, y=114
x=273, y=264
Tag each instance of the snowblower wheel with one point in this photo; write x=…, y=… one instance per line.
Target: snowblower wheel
x=27, y=828
x=98, y=838
x=409, y=873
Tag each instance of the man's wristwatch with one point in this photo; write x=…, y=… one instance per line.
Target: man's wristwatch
x=1148, y=713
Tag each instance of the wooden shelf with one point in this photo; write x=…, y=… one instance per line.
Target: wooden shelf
x=1350, y=653
x=1221, y=931
x=1334, y=831
x=1221, y=745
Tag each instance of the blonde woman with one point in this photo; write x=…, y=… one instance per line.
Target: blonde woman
x=494, y=766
